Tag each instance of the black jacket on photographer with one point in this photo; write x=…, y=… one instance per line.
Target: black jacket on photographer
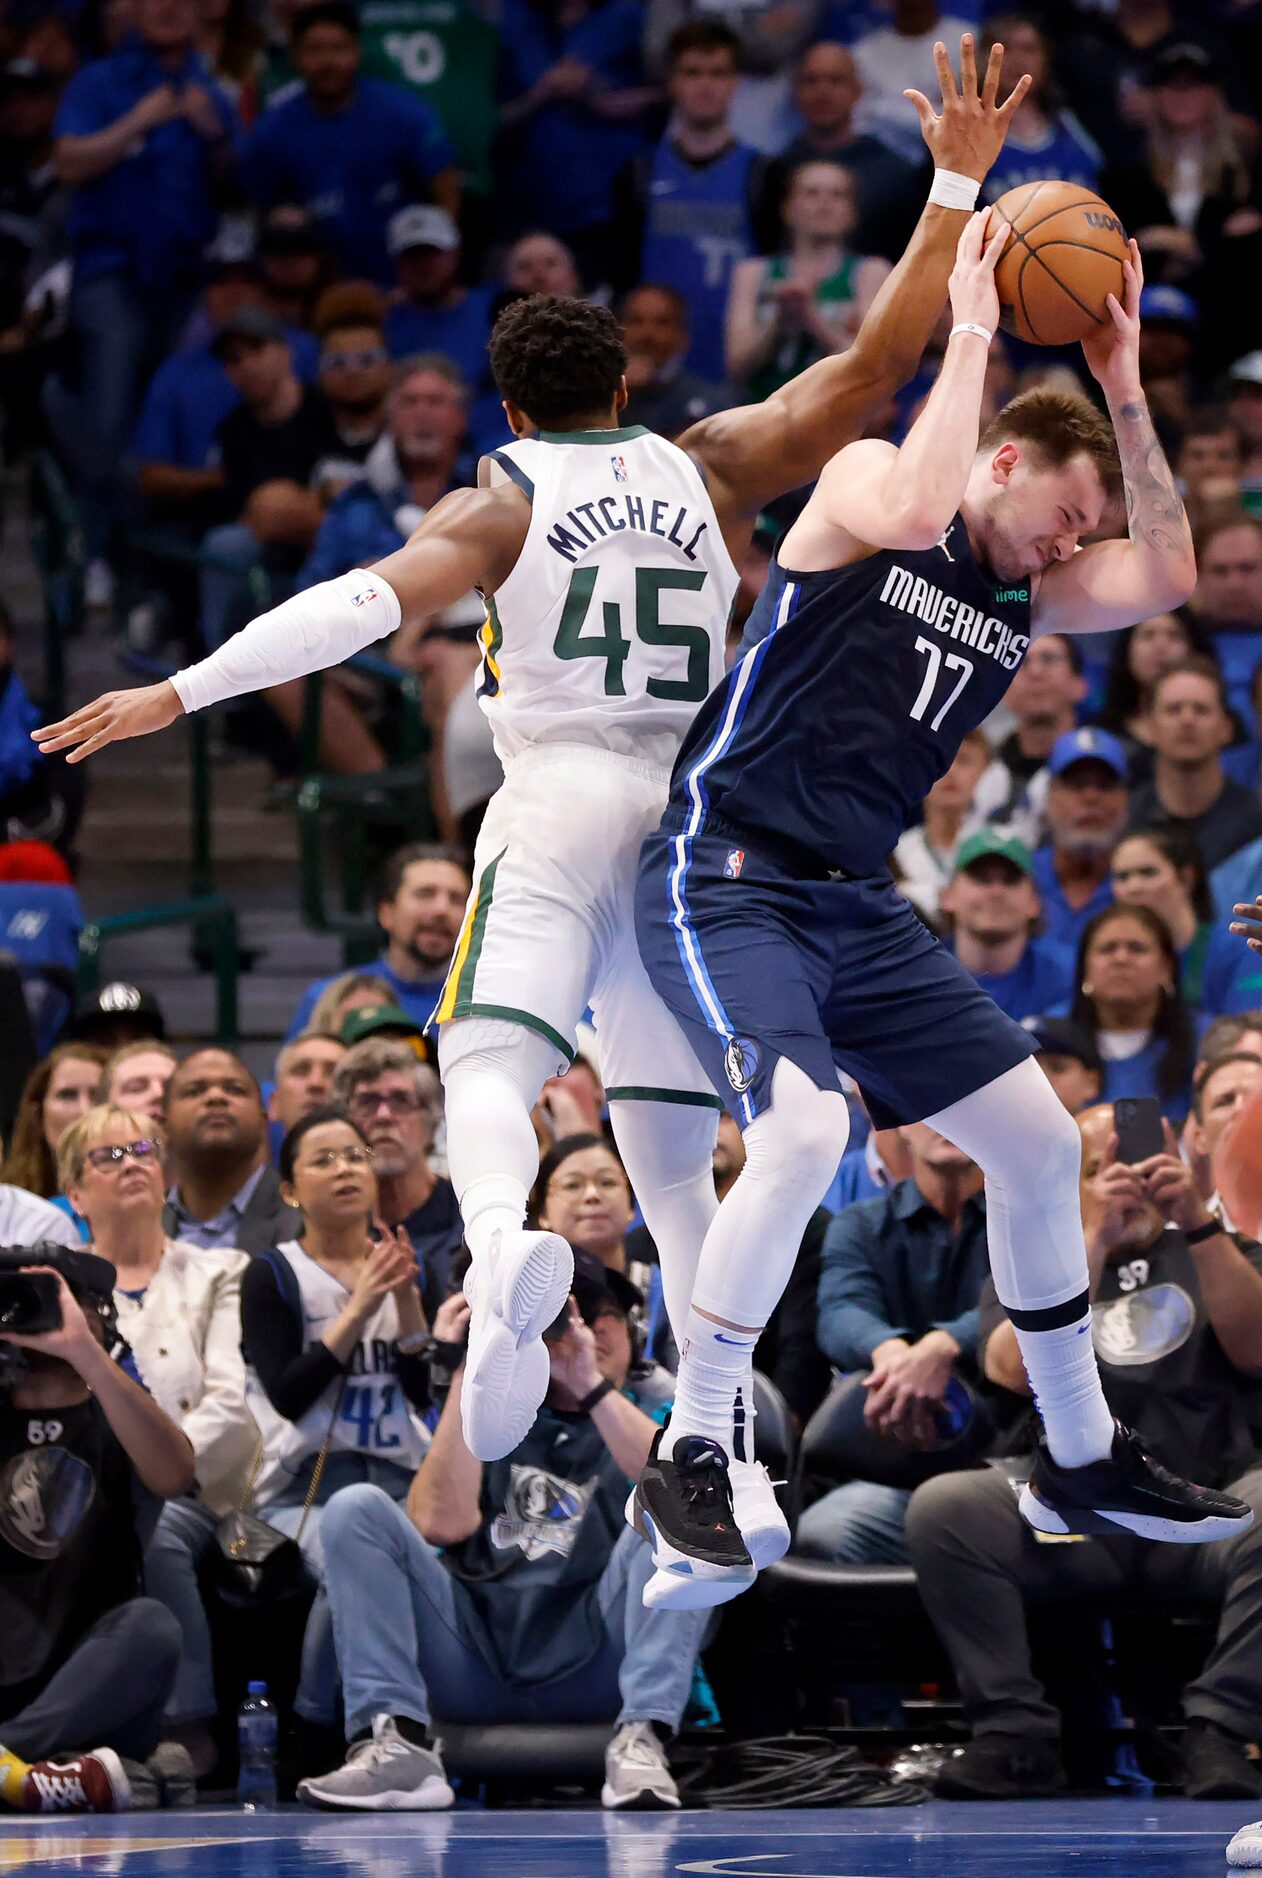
x=1164, y=1371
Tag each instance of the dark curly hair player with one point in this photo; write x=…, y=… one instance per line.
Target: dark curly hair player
x=606, y=557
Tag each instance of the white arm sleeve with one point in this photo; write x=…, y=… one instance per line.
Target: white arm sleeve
x=315, y=629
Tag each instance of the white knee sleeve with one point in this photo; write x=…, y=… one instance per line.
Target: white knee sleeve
x=667, y=1150
x=492, y=1072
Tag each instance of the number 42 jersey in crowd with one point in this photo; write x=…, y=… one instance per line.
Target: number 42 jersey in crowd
x=833, y=728
x=610, y=629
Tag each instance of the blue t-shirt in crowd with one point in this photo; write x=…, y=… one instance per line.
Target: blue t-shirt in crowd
x=417, y=999
x=350, y=171
x=561, y=163
x=1042, y=976
x=1066, y=151
x=188, y=398
x=697, y=226
x=460, y=333
x=150, y=215
x=1065, y=924
x=358, y=529
x=1239, y=878
x=1219, y=974
x=1239, y=654
x=1137, y=1076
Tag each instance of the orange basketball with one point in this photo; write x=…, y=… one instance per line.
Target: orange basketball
x=1062, y=260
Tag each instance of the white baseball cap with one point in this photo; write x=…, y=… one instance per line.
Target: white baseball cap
x=1247, y=371
x=422, y=225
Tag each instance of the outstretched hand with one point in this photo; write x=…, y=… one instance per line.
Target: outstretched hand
x=967, y=135
x=111, y=718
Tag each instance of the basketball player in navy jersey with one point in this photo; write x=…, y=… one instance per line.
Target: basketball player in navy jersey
x=898, y=606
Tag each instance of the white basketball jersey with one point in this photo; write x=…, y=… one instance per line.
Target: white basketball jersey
x=610, y=629
x=375, y=1417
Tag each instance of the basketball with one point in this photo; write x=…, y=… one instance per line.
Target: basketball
x=1062, y=260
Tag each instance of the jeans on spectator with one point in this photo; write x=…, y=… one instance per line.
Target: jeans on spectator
x=112, y=1691
x=410, y=1648
x=316, y=1699
x=225, y=597
x=860, y=1523
x=185, y=1529
x=978, y=1564
x=121, y=330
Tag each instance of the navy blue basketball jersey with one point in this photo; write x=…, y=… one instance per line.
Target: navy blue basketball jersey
x=832, y=730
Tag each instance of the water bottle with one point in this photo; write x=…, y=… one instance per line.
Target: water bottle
x=256, y=1741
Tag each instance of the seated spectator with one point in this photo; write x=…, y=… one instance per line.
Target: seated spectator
x=890, y=59
x=27, y=1220
x=331, y=1329
x=1244, y=407
x=179, y=1313
x=434, y=311
x=41, y=798
x=925, y=857
x=33, y=204
x=1228, y=605
x=1178, y=1333
x=462, y=769
x=1191, y=728
x=222, y=1191
x=349, y=991
x=572, y=102
x=582, y=1192
x=420, y=908
x=146, y=139
x=136, y=1078
x=269, y=446
x=573, y=1104
x=899, y=1280
x=1242, y=760
x=1169, y=332
x=118, y=1013
x=879, y=1164
x=1045, y=698
x=1069, y=1058
x=1209, y=467
x=354, y=380
x=664, y=395
x=826, y=89
x=1127, y=999
x=396, y=1103
x=1221, y=1093
x=348, y=149
x=295, y=263
x=58, y=1091
x=41, y=918
x=305, y=1070
x=541, y=263
x=512, y=1592
x=993, y=910
x=1085, y=813
x=1140, y=656
x=689, y=209
x=1044, y=137
x=1161, y=868
x=769, y=40
x=807, y=302
x=89, y=1661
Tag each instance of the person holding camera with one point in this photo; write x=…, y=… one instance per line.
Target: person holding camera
x=512, y=1591
x=1177, y=1325
x=86, y=1459
x=333, y=1335
x=179, y=1312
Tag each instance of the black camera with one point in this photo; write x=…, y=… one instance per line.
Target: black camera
x=30, y=1303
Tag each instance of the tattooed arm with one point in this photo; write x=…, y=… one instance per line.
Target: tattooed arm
x=1115, y=583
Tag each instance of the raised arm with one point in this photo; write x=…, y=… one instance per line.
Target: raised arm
x=1115, y=583
x=874, y=496
x=469, y=539
x=757, y=452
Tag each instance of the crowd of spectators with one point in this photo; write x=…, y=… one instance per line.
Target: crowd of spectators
x=249, y=262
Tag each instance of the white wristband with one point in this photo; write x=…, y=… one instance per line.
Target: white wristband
x=969, y=326
x=950, y=190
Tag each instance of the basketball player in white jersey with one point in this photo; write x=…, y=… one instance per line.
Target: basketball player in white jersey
x=606, y=558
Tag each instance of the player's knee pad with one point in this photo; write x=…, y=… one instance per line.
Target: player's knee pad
x=804, y=1131
x=496, y=1046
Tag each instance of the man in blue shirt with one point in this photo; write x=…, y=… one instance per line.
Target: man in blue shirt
x=1228, y=602
x=146, y=138
x=350, y=150
x=437, y=312
x=994, y=908
x=1086, y=813
x=421, y=906
x=1069, y=1059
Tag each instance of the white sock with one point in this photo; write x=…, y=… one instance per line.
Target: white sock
x=1031, y=1152
x=716, y=1364
x=492, y=1073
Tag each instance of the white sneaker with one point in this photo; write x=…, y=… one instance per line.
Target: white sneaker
x=637, y=1773
x=507, y=1369
x=1245, y=1850
x=764, y=1527
x=384, y=1773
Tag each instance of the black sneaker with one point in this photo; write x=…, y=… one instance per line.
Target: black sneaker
x=1216, y=1765
x=1002, y=1767
x=1130, y=1492
x=684, y=1509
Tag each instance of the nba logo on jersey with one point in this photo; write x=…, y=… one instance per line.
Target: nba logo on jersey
x=619, y=469
x=364, y=595
x=733, y=864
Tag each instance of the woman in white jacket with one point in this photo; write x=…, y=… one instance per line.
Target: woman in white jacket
x=179, y=1309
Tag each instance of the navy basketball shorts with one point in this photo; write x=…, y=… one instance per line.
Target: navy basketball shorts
x=758, y=962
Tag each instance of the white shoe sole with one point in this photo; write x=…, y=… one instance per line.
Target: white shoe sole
x=764, y=1527
x=1245, y=1850
x=432, y=1796
x=646, y=1800
x=120, y=1785
x=507, y=1368
x=670, y=1591
x=1045, y=1518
